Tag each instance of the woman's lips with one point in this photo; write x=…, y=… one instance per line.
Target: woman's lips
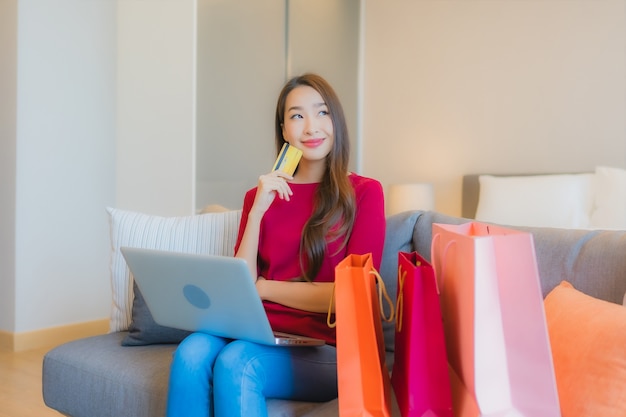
x=312, y=143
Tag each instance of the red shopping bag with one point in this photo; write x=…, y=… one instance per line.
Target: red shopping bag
x=420, y=369
x=363, y=379
x=494, y=321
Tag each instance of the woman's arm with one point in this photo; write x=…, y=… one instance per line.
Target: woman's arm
x=269, y=186
x=307, y=296
x=249, y=244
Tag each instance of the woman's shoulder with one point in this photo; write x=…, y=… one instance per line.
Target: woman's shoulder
x=360, y=182
x=369, y=197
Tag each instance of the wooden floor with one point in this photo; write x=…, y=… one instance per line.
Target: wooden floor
x=20, y=385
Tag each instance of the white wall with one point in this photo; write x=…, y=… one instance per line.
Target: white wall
x=64, y=161
x=458, y=87
x=8, y=103
x=88, y=127
x=156, y=52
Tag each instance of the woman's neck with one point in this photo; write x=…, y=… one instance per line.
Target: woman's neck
x=310, y=172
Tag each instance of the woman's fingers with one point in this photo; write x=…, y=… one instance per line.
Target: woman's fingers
x=272, y=185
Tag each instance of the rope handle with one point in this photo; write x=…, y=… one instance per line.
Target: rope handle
x=382, y=294
x=400, y=299
x=330, y=324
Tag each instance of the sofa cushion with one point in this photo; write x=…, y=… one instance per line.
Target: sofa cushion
x=212, y=233
x=97, y=377
x=588, y=339
x=582, y=258
x=143, y=330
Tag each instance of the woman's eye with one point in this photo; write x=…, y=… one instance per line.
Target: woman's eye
x=324, y=113
x=295, y=116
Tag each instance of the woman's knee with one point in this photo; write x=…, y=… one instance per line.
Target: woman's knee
x=240, y=359
x=198, y=351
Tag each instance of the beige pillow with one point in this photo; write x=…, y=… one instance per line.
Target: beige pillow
x=212, y=233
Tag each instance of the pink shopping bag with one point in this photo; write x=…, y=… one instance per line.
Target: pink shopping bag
x=420, y=370
x=494, y=320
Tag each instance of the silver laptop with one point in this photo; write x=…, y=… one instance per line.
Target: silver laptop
x=205, y=293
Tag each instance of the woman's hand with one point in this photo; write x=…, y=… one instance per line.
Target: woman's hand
x=269, y=186
x=259, y=286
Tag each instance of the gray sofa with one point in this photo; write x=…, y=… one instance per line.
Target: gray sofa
x=97, y=377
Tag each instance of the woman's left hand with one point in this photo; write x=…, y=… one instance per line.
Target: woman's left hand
x=259, y=285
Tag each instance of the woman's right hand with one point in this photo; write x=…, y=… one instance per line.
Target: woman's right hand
x=269, y=186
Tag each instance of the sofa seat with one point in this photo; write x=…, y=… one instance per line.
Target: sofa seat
x=83, y=376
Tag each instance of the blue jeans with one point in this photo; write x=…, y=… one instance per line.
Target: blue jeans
x=211, y=376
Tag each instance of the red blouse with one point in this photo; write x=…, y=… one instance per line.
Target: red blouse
x=279, y=247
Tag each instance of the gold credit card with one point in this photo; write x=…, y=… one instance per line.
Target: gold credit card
x=288, y=159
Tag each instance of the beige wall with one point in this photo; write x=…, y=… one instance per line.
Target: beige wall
x=457, y=87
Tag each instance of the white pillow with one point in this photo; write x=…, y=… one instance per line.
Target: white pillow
x=554, y=200
x=609, y=210
x=212, y=233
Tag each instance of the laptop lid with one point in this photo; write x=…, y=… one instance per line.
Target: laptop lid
x=205, y=293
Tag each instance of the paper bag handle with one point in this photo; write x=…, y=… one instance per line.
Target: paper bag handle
x=382, y=294
x=400, y=299
x=439, y=271
x=329, y=323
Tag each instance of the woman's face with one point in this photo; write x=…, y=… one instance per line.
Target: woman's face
x=308, y=125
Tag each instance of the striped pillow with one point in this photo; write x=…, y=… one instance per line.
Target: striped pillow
x=211, y=234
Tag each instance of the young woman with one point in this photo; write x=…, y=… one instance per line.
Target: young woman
x=293, y=232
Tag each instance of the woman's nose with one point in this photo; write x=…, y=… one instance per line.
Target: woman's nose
x=311, y=127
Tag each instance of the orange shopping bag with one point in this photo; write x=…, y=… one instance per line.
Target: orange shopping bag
x=363, y=378
x=494, y=321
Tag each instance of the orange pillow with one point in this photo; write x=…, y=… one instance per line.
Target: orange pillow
x=588, y=339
